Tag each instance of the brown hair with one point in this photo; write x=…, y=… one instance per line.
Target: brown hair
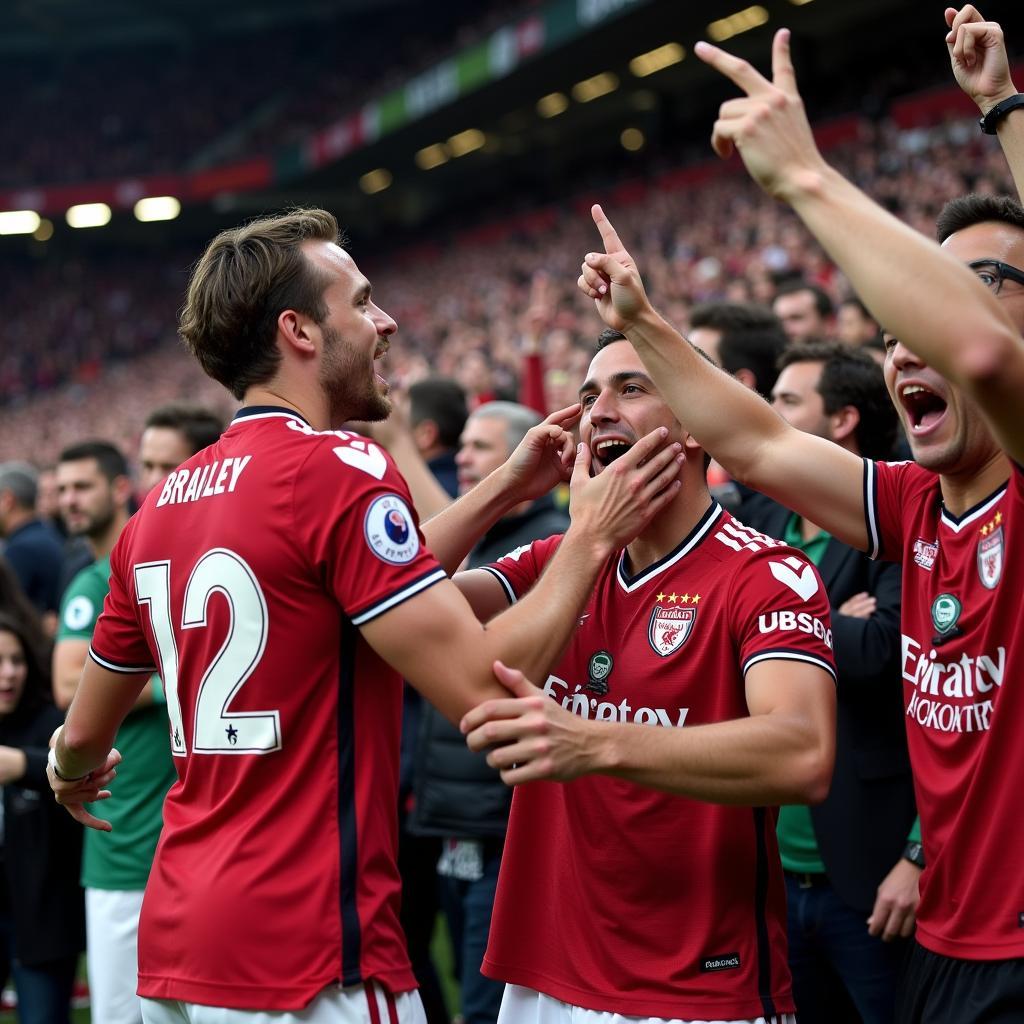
x=239, y=288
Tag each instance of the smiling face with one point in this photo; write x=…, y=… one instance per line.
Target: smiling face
x=620, y=405
x=356, y=332
x=13, y=672
x=945, y=429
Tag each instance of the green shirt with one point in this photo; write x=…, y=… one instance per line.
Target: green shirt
x=121, y=859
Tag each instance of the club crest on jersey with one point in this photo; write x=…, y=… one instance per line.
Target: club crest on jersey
x=925, y=553
x=990, y=558
x=599, y=668
x=670, y=628
x=945, y=614
x=389, y=530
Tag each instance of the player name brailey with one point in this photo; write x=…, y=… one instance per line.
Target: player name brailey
x=203, y=481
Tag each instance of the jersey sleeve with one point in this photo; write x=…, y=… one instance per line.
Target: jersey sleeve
x=520, y=568
x=781, y=611
x=81, y=605
x=119, y=642
x=354, y=518
x=886, y=486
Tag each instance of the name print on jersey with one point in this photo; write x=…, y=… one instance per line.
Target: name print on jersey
x=203, y=481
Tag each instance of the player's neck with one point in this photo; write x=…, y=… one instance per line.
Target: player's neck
x=669, y=528
x=287, y=398
x=962, y=491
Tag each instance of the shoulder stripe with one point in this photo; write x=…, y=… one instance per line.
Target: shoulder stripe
x=503, y=580
x=113, y=666
x=871, y=509
x=788, y=654
x=399, y=596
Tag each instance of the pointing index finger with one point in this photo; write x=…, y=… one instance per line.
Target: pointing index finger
x=737, y=70
x=610, y=237
x=783, y=75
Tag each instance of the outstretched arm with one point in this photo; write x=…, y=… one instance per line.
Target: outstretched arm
x=977, y=53
x=922, y=295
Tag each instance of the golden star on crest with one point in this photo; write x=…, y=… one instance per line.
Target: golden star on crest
x=985, y=530
x=660, y=597
x=695, y=598
x=685, y=599
x=672, y=598
x=999, y=518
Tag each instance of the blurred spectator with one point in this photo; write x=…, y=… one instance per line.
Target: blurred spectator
x=42, y=931
x=32, y=547
x=805, y=310
x=437, y=414
x=171, y=435
x=855, y=325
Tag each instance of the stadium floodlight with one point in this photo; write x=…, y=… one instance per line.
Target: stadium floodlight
x=18, y=222
x=598, y=85
x=466, y=142
x=88, y=215
x=656, y=60
x=632, y=139
x=799, y=3
x=741, y=21
x=375, y=181
x=433, y=156
x=157, y=208
x=553, y=104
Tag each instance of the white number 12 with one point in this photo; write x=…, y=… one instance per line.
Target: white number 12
x=217, y=730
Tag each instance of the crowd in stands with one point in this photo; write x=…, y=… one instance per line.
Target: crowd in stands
x=468, y=305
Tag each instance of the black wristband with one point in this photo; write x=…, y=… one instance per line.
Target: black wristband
x=991, y=120
x=914, y=852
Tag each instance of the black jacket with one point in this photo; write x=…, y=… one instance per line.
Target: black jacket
x=42, y=849
x=456, y=793
x=862, y=825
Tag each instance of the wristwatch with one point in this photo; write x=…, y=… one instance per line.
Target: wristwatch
x=991, y=120
x=914, y=852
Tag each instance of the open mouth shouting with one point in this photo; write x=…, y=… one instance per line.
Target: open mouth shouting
x=607, y=449
x=924, y=408
x=378, y=353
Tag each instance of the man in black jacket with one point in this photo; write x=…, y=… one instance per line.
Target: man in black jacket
x=849, y=881
x=458, y=797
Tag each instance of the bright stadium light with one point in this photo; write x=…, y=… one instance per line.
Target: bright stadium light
x=598, y=85
x=799, y=3
x=465, y=142
x=375, y=181
x=553, y=104
x=433, y=156
x=632, y=139
x=157, y=208
x=655, y=60
x=18, y=222
x=741, y=21
x=88, y=215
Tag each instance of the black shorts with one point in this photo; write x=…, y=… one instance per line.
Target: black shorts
x=938, y=989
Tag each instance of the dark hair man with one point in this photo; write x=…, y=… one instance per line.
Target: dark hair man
x=805, y=310
x=955, y=371
x=280, y=582
x=30, y=545
x=856, y=326
x=694, y=628
x=846, y=859
x=437, y=415
x=743, y=338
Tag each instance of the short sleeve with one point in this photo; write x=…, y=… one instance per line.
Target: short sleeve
x=518, y=570
x=886, y=485
x=355, y=521
x=119, y=642
x=81, y=605
x=780, y=611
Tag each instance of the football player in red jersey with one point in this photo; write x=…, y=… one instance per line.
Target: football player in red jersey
x=658, y=893
x=279, y=582
x=955, y=370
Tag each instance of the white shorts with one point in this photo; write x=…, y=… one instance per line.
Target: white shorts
x=524, y=1006
x=112, y=954
x=358, y=1004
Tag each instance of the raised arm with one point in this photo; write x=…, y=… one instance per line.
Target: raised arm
x=919, y=293
x=436, y=641
x=808, y=474
x=977, y=53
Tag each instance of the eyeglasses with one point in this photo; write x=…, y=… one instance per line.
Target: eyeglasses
x=992, y=274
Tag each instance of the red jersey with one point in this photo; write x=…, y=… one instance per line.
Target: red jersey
x=963, y=647
x=244, y=579
x=616, y=897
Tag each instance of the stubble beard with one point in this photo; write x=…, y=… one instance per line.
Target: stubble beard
x=352, y=394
